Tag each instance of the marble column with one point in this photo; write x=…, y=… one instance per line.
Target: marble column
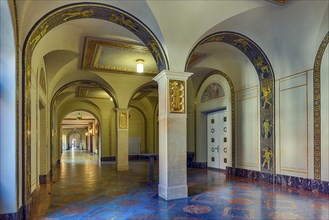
x=172, y=134
x=122, y=139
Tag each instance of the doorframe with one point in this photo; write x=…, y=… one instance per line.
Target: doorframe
x=220, y=109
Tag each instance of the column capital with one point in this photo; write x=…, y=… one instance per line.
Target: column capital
x=172, y=92
x=172, y=75
x=122, y=127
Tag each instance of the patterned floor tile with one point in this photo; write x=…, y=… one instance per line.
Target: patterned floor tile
x=238, y=213
x=87, y=190
x=284, y=215
x=161, y=205
x=281, y=204
x=197, y=209
x=106, y=213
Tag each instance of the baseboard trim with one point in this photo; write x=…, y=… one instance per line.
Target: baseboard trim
x=199, y=165
x=43, y=179
x=13, y=216
x=130, y=157
x=316, y=186
x=112, y=158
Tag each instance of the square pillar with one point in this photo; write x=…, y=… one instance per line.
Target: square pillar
x=122, y=157
x=172, y=134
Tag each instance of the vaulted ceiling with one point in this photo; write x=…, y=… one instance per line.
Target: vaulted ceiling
x=105, y=52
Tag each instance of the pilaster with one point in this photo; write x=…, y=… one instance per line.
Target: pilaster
x=122, y=162
x=172, y=134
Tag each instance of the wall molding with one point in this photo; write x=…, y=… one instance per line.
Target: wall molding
x=316, y=186
x=13, y=216
x=317, y=106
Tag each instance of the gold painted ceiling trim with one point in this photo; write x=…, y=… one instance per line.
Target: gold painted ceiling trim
x=279, y=2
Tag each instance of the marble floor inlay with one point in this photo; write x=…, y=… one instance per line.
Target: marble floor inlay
x=83, y=188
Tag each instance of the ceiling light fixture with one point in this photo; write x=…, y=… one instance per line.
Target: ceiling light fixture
x=140, y=66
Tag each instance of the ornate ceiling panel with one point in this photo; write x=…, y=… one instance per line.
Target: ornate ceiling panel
x=116, y=57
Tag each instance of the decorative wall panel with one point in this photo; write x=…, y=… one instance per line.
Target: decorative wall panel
x=247, y=130
x=293, y=126
x=177, y=96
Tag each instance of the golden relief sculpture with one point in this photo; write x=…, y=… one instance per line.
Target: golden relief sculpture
x=44, y=28
x=266, y=129
x=123, y=120
x=244, y=44
x=177, y=96
x=81, y=14
x=266, y=96
x=216, y=38
x=259, y=63
x=267, y=158
x=120, y=19
x=155, y=51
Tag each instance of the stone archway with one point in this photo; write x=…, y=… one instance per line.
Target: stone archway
x=266, y=80
x=60, y=16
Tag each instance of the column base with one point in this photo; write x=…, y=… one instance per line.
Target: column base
x=122, y=167
x=173, y=192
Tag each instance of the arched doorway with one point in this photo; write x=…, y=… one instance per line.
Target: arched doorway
x=80, y=131
x=215, y=96
x=144, y=105
x=266, y=90
x=60, y=16
x=81, y=112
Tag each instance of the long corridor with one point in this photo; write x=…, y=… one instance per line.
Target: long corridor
x=85, y=189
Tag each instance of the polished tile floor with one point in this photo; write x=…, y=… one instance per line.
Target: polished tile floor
x=85, y=189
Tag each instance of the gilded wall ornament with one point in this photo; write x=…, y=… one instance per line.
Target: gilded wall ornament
x=78, y=13
x=266, y=129
x=123, y=120
x=243, y=44
x=154, y=49
x=263, y=68
x=267, y=158
x=122, y=20
x=177, y=96
x=43, y=30
x=266, y=96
